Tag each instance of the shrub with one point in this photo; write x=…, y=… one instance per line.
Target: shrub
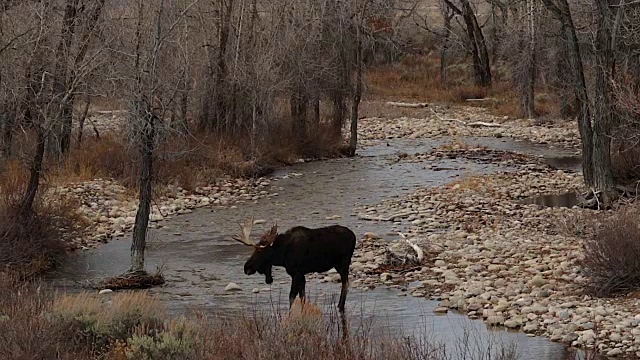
x=30, y=245
x=625, y=161
x=96, y=323
x=175, y=340
x=24, y=332
x=612, y=254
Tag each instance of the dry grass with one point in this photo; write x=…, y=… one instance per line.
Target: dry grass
x=33, y=244
x=34, y=323
x=181, y=161
x=188, y=161
x=625, y=162
x=612, y=254
x=417, y=78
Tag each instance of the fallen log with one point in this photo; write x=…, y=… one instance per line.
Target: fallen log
x=480, y=100
x=471, y=124
x=407, y=105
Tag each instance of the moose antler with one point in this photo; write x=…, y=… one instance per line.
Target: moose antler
x=243, y=237
x=270, y=236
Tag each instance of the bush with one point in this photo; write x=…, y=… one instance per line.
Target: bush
x=612, y=254
x=625, y=162
x=34, y=324
x=33, y=244
x=24, y=332
x=96, y=324
x=175, y=340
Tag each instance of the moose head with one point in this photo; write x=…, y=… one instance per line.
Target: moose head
x=264, y=251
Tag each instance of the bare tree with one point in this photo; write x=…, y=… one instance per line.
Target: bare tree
x=528, y=76
x=151, y=96
x=477, y=43
x=562, y=12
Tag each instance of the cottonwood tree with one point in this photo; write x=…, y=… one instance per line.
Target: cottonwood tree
x=476, y=41
x=151, y=95
x=36, y=86
x=596, y=117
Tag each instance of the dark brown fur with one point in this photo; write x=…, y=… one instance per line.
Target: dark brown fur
x=301, y=251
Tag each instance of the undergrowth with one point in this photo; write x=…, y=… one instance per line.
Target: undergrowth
x=415, y=77
x=36, y=323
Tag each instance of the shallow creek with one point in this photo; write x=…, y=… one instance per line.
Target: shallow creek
x=199, y=258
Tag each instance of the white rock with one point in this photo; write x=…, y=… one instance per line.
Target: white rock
x=232, y=287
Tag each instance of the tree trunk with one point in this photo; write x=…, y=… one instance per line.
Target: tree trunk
x=220, y=115
x=298, y=104
x=562, y=12
x=357, y=94
x=59, y=143
x=7, y=133
x=26, y=205
x=447, y=16
x=315, y=126
x=144, y=200
x=338, y=115
x=479, y=53
x=603, y=110
x=184, y=108
x=527, y=90
x=481, y=65
x=82, y=119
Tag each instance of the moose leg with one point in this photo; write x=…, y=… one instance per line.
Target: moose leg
x=297, y=285
x=344, y=277
x=301, y=289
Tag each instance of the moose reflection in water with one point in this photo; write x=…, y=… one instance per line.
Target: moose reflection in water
x=301, y=251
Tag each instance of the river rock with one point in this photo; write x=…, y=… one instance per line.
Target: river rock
x=232, y=287
x=440, y=310
x=495, y=320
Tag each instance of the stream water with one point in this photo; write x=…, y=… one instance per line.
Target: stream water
x=199, y=258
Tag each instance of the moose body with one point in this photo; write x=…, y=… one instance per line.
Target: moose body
x=301, y=250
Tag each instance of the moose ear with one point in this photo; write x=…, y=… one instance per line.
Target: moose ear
x=274, y=229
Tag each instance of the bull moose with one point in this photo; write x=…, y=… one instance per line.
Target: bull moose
x=301, y=251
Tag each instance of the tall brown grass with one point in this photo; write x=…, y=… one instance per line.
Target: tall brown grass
x=37, y=323
x=191, y=160
x=416, y=77
x=612, y=253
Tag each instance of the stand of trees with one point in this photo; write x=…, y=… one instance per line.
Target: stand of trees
x=264, y=70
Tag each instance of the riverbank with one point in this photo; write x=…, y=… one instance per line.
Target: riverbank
x=384, y=120
x=491, y=255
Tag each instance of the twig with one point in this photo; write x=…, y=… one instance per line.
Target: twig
x=381, y=218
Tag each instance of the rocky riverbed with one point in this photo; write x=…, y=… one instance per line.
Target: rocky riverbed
x=487, y=253
x=450, y=121
x=110, y=208
x=491, y=256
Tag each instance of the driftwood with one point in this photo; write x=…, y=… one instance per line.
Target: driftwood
x=409, y=254
x=130, y=280
x=480, y=100
x=407, y=105
x=106, y=112
x=470, y=124
x=385, y=218
x=418, y=249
